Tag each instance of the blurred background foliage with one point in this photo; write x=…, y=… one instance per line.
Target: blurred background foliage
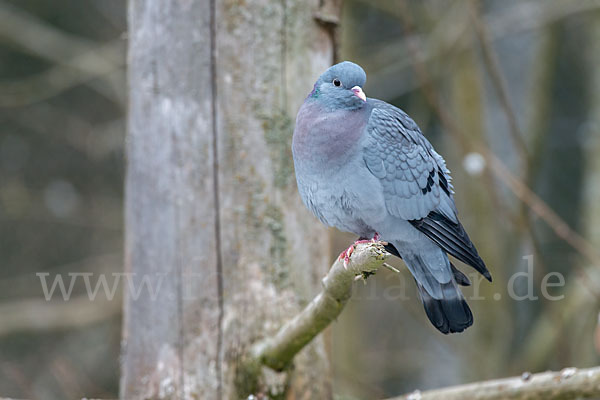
x=514, y=79
x=62, y=99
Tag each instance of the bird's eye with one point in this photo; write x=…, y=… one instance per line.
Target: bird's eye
x=337, y=82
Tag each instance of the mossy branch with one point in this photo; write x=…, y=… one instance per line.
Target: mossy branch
x=278, y=351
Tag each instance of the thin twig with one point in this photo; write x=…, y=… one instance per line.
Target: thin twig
x=391, y=268
x=544, y=211
x=493, y=66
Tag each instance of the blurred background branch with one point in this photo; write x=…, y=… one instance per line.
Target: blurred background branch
x=77, y=60
x=40, y=316
x=62, y=99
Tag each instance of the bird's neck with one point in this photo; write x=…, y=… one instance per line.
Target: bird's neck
x=325, y=138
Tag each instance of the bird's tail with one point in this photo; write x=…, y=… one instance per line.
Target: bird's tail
x=451, y=313
x=437, y=281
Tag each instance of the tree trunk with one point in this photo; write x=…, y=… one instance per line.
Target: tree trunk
x=214, y=226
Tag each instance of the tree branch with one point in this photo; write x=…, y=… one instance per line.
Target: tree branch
x=570, y=383
x=278, y=351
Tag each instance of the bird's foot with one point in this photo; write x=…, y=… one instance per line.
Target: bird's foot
x=345, y=255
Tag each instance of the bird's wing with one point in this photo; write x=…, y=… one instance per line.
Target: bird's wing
x=416, y=183
x=414, y=177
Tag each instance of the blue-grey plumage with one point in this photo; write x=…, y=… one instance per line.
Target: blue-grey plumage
x=363, y=166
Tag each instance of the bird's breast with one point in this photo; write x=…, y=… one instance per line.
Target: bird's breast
x=323, y=138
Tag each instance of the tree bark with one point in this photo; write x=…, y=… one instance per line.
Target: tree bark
x=570, y=383
x=214, y=225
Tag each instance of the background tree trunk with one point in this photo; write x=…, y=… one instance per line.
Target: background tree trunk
x=213, y=221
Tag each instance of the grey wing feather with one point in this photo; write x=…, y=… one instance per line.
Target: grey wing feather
x=416, y=183
x=414, y=177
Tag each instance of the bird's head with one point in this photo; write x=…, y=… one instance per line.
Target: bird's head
x=340, y=87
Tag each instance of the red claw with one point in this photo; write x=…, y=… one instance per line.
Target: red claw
x=345, y=255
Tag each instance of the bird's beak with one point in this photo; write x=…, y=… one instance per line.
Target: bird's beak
x=357, y=90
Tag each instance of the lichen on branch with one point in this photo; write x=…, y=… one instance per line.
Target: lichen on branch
x=278, y=351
